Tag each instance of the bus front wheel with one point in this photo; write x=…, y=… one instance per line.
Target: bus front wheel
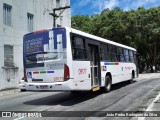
x=108, y=83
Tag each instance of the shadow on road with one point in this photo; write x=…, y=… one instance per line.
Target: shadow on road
x=69, y=99
x=64, y=99
x=121, y=84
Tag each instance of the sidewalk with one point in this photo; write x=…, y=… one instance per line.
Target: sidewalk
x=154, y=106
x=148, y=75
x=9, y=91
x=155, y=101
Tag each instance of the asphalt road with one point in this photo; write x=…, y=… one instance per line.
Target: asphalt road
x=123, y=97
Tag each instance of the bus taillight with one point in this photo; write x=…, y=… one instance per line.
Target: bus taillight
x=25, y=77
x=66, y=72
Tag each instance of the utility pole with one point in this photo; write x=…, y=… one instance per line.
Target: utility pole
x=55, y=16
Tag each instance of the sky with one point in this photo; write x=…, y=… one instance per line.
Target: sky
x=90, y=7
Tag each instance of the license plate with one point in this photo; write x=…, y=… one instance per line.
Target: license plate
x=44, y=86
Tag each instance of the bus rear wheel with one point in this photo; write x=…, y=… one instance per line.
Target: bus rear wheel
x=132, y=78
x=108, y=83
x=75, y=92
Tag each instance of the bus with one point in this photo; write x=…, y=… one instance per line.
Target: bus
x=66, y=59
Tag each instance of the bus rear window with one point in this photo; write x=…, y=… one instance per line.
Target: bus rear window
x=44, y=46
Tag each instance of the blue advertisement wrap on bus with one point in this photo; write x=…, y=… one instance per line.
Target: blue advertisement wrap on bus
x=36, y=44
x=60, y=32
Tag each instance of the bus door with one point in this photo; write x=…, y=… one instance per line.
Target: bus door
x=94, y=65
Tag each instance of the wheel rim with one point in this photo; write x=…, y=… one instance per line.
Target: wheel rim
x=108, y=85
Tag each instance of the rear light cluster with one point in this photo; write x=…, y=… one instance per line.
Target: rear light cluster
x=66, y=72
x=25, y=76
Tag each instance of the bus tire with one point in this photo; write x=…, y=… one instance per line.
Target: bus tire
x=132, y=78
x=108, y=83
x=75, y=92
x=23, y=90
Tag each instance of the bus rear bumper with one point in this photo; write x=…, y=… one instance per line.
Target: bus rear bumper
x=58, y=86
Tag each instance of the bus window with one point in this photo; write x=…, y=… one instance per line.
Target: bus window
x=44, y=47
x=131, y=56
x=113, y=51
x=135, y=58
x=104, y=52
x=78, y=48
x=120, y=55
x=126, y=55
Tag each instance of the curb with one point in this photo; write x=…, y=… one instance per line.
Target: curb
x=9, y=91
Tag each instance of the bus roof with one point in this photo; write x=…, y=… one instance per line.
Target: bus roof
x=86, y=35
x=99, y=38
x=44, y=30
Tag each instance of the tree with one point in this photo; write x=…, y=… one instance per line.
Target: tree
x=137, y=28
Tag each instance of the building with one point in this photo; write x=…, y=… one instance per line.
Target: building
x=21, y=17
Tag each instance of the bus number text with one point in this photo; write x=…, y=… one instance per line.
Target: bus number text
x=82, y=71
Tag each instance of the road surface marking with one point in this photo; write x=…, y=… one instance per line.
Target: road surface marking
x=19, y=118
x=150, y=106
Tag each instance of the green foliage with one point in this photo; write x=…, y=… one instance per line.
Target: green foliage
x=136, y=28
x=82, y=22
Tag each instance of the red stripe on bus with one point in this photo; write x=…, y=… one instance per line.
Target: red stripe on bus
x=116, y=63
x=35, y=72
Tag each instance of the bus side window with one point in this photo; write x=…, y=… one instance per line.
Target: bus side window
x=78, y=48
x=104, y=52
x=113, y=51
x=120, y=54
x=126, y=55
x=131, y=56
x=135, y=57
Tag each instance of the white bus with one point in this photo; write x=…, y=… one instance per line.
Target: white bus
x=65, y=59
